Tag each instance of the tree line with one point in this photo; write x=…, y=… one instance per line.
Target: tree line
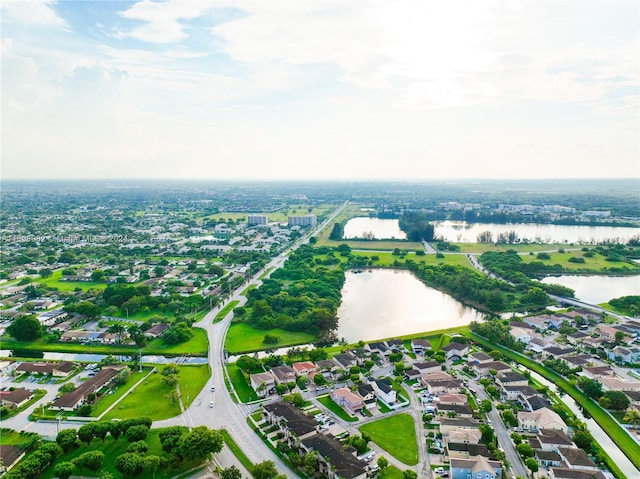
x=301, y=296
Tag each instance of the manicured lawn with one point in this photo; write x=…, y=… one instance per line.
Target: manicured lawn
x=396, y=435
x=226, y=310
x=242, y=338
x=109, y=399
x=244, y=391
x=625, y=442
x=391, y=472
x=148, y=399
x=113, y=449
x=335, y=409
x=192, y=378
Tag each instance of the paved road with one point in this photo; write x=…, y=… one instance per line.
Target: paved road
x=504, y=439
x=424, y=466
x=225, y=413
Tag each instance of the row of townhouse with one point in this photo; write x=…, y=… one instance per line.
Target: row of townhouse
x=303, y=433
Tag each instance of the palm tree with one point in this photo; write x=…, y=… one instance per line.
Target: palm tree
x=117, y=329
x=632, y=417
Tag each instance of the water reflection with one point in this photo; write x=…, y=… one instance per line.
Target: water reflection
x=384, y=303
x=462, y=232
x=598, y=289
x=371, y=228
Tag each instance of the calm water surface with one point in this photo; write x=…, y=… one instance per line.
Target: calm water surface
x=598, y=289
x=375, y=227
x=383, y=303
x=462, y=232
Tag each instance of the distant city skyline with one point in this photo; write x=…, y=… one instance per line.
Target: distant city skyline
x=372, y=90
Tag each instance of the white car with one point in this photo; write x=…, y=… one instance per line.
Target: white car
x=211, y=404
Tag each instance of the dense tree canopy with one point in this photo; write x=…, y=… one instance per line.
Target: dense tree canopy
x=416, y=225
x=25, y=328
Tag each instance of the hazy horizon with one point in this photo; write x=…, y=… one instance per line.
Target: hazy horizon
x=320, y=90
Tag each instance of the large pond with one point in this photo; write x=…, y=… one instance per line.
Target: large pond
x=373, y=228
x=462, y=232
x=598, y=289
x=384, y=303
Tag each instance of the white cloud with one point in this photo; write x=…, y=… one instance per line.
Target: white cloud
x=31, y=13
x=163, y=20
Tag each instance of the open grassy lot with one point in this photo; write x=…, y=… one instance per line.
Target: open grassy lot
x=242, y=338
x=244, y=391
x=18, y=439
x=624, y=441
x=597, y=263
x=53, y=281
x=192, y=378
x=196, y=346
x=109, y=399
x=396, y=435
x=148, y=399
x=391, y=472
x=113, y=449
x=335, y=409
x=388, y=259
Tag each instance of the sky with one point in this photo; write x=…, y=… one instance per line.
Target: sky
x=295, y=89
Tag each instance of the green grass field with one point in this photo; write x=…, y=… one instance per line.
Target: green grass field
x=18, y=439
x=396, y=435
x=335, y=409
x=244, y=391
x=391, y=472
x=113, y=449
x=242, y=338
x=196, y=346
x=192, y=378
x=597, y=263
x=109, y=399
x=148, y=399
x=388, y=259
x=521, y=248
x=53, y=281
